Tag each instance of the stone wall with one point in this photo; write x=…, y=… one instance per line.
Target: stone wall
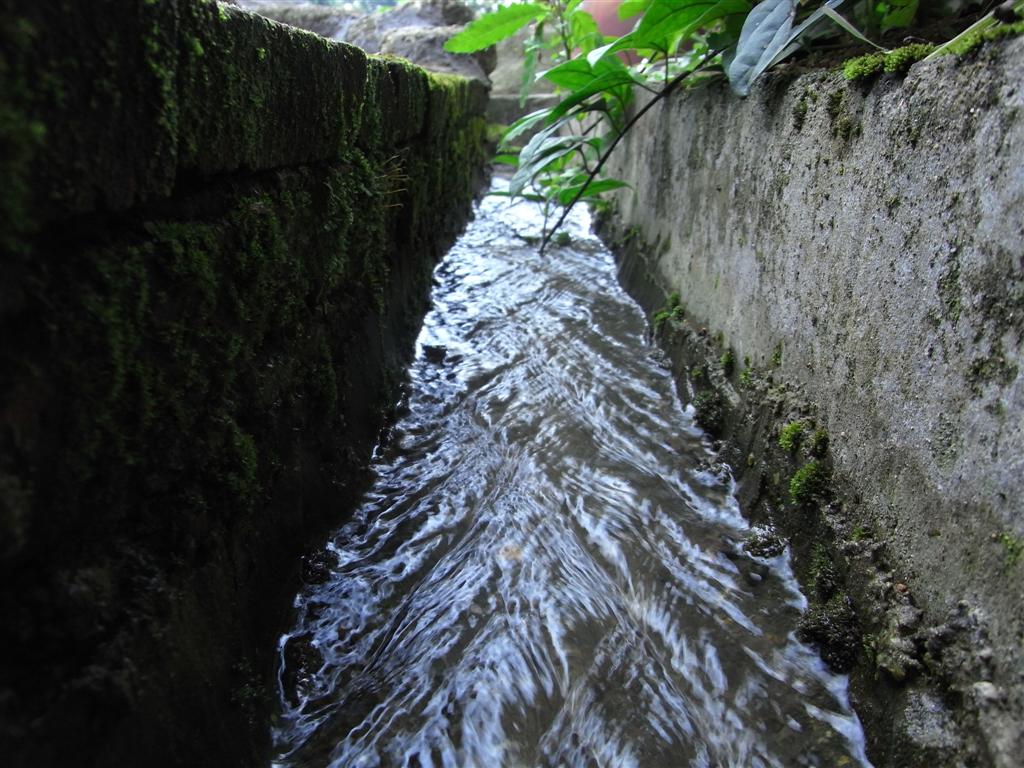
x=217, y=239
x=858, y=248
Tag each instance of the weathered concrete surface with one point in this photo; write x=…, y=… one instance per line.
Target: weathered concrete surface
x=865, y=245
x=217, y=236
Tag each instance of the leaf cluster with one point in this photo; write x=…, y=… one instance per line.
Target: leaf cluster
x=671, y=42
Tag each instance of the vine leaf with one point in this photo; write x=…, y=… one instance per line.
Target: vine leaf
x=765, y=33
x=524, y=124
x=588, y=190
x=848, y=27
x=577, y=73
x=544, y=148
x=898, y=13
x=768, y=36
x=492, y=27
x=668, y=20
x=631, y=8
x=616, y=84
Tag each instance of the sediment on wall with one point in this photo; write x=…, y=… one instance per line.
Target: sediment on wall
x=217, y=237
x=848, y=323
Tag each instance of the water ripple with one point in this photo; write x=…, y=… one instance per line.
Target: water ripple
x=538, y=576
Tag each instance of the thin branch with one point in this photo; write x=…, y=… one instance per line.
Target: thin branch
x=676, y=81
x=583, y=158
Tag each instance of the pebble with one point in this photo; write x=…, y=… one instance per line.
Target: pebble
x=986, y=693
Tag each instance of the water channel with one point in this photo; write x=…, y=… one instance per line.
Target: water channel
x=546, y=569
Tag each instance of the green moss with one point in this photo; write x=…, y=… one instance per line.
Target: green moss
x=822, y=574
x=810, y=481
x=977, y=39
x=844, y=127
x=863, y=67
x=727, y=362
x=861, y=532
x=777, y=355
x=800, y=112
x=991, y=369
x=819, y=443
x=709, y=408
x=898, y=60
x=790, y=436
x=674, y=309
x=21, y=134
x=1013, y=548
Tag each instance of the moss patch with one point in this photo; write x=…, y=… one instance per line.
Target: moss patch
x=790, y=436
x=976, y=39
x=895, y=61
x=674, y=309
x=809, y=482
x=709, y=410
x=1013, y=548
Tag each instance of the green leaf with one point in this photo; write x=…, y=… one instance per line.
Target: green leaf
x=525, y=195
x=669, y=19
x=631, y=8
x=506, y=159
x=495, y=26
x=768, y=37
x=615, y=84
x=848, y=27
x=592, y=190
x=585, y=33
x=728, y=34
x=579, y=72
x=598, y=53
x=985, y=22
x=765, y=32
x=900, y=13
x=524, y=124
x=544, y=148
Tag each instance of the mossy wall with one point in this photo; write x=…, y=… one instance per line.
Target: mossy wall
x=217, y=241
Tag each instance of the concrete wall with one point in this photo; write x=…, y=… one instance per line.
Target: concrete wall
x=865, y=244
x=217, y=235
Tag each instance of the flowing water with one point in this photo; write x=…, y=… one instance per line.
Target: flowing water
x=546, y=570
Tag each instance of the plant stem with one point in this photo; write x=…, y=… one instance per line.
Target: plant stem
x=676, y=81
